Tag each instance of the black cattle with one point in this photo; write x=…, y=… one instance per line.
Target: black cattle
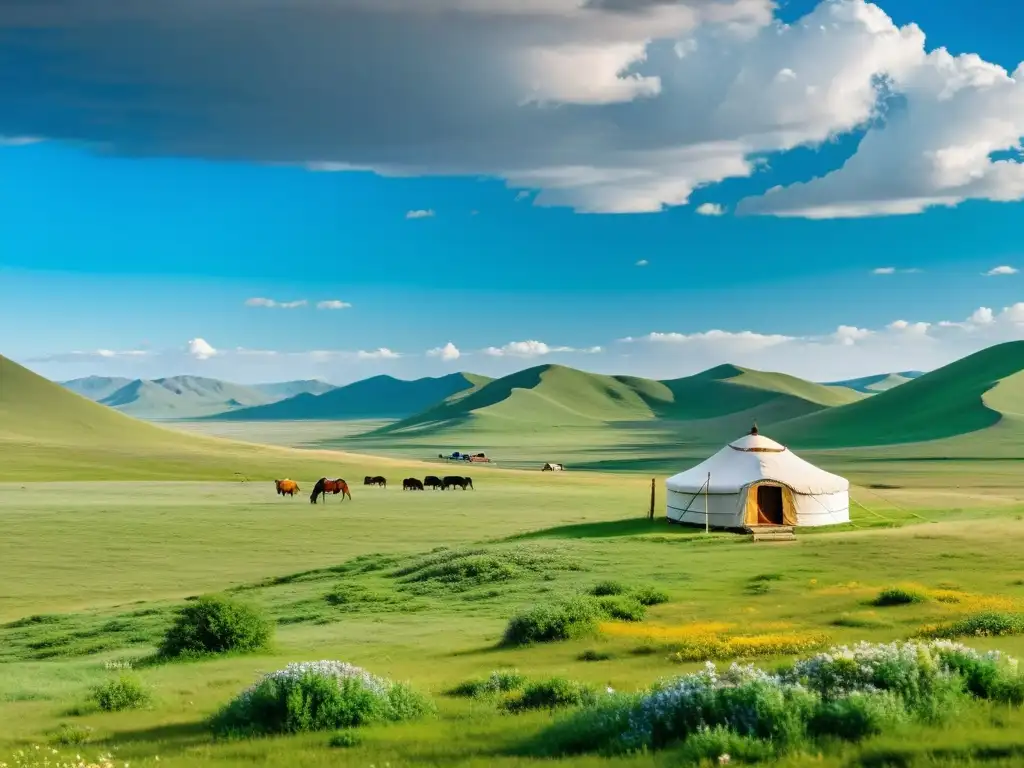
x=432, y=482
x=412, y=484
x=453, y=480
x=378, y=480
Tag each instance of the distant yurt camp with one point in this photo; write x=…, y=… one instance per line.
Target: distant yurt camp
x=754, y=481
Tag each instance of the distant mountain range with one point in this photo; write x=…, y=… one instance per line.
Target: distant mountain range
x=186, y=397
x=881, y=382
x=380, y=397
x=981, y=394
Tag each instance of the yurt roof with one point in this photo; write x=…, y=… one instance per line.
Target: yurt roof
x=755, y=458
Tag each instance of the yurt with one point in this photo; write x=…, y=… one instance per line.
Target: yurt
x=754, y=481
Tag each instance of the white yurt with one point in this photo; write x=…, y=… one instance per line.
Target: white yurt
x=754, y=481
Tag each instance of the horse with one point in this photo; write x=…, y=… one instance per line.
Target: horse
x=286, y=487
x=324, y=486
x=462, y=482
x=412, y=484
x=378, y=480
x=431, y=481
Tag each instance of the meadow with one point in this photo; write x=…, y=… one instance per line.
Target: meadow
x=93, y=573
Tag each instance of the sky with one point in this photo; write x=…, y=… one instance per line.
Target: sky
x=264, y=190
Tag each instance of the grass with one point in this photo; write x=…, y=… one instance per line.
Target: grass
x=420, y=588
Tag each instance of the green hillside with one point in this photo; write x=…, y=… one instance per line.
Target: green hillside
x=967, y=396
x=553, y=396
x=49, y=433
x=879, y=383
x=379, y=397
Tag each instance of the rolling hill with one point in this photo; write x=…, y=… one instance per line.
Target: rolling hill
x=285, y=389
x=967, y=396
x=379, y=397
x=97, y=387
x=552, y=396
x=881, y=382
x=50, y=433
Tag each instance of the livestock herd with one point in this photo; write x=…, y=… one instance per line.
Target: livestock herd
x=325, y=486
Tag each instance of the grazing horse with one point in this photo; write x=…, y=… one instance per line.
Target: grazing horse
x=412, y=484
x=452, y=480
x=378, y=480
x=431, y=481
x=324, y=486
x=286, y=487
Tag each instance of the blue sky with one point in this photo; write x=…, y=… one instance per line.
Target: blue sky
x=148, y=219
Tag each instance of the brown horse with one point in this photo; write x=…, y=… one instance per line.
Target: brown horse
x=324, y=486
x=286, y=487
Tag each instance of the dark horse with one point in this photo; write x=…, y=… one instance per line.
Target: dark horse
x=378, y=480
x=431, y=481
x=412, y=484
x=324, y=486
x=462, y=482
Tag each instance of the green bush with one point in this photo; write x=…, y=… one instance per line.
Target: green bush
x=857, y=716
x=575, y=618
x=622, y=608
x=606, y=588
x=990, y=624
x=499, y=681
x=216, y=624
x=591, y=655
x=318, y=696
x=648, y=595
x=556, y=693
x=121, y=693
x=897, y=596
x=344, y=739
x=73, y=735
x=709, y=744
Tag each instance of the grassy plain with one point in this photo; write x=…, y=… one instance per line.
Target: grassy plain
x=106, y=563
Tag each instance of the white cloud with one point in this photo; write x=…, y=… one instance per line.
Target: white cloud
x=601, y=105
x=884, y=271
x=272, y=304
x=421, y=214
x=378, y=354
x=447, y=353
x=642, y=263
x=710, y=209
x=333, y=304
x=201, y=349
x=529, y=349
x=1001, y=271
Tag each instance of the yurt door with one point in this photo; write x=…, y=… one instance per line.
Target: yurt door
x=769, y=505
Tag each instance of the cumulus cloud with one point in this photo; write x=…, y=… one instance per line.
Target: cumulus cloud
x=378, y=354
x=421, y=214
x=529, y=349
x=201, y=349
x=447, y=353
x=710, y=209
x=272, y=304
x=604, y=105
x=1001, y=271
x=333, y=304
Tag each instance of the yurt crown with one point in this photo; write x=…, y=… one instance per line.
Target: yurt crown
x=753, y=429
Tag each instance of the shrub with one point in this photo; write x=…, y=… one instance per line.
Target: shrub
x=591, y=655
x=989, y=624
x=73, y=735
x=898, y=596
x=546, y=623
x=606, y=588
x=857, y=716
x=216, y=624
x=121, y=693
x=648, y=595
x=720, y=745
x=555, y=693
x=499, y=681
x=344, y=739
x=318, y=696
x=622, y=608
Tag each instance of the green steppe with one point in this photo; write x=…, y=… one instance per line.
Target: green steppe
x=109, y=524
